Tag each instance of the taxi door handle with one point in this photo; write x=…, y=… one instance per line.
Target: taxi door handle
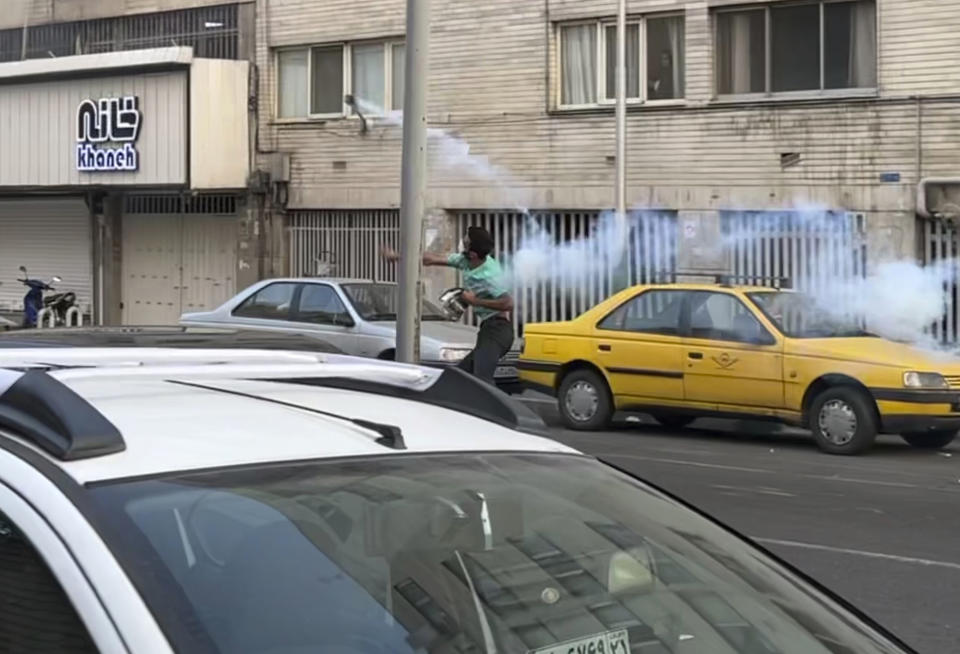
x=695, y=355
x=604, y=347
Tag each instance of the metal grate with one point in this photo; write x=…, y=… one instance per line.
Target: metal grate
x=941, y=247
x=175, y=204
x=811, y=251
x=651, y=249
x=213, y=33
x=343, y=243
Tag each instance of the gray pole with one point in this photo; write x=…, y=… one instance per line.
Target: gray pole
x=621, y=154
x=413, y=185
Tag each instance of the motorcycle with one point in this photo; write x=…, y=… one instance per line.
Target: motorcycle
x=59, y=304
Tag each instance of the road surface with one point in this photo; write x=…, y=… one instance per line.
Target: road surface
x=882, y=530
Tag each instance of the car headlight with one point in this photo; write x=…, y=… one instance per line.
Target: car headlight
x=453, y=353
x=924, y=380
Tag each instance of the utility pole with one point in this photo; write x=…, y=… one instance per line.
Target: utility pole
x=621, y=154
x=413, y=185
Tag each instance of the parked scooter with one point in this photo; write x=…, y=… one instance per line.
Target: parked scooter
x=58, y=304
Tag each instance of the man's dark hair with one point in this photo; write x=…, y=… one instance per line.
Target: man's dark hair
x=480, y=241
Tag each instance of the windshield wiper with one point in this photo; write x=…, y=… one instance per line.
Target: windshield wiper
x=373, y=317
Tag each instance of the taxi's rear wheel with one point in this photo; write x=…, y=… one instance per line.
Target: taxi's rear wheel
x=843, y=420
x=930, y=440
x=584, y=400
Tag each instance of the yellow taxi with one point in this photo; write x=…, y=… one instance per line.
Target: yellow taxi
x=683, y=351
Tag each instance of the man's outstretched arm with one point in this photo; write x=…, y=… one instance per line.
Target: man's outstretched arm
x=429, y=259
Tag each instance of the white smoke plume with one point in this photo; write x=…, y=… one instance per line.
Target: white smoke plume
x=898, y=300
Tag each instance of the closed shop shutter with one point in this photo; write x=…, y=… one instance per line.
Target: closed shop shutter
x=179, y=261
x=50, y=237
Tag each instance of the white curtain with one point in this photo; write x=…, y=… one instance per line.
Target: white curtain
x=578, y=64
x=735, y=49
x=293, y=83
x=863, y=45
x=399, y=70
x=368, y=79
x=676, y=40
x=633, y=61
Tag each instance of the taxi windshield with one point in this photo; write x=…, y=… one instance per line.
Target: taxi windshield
x=455, y=554
x=799, y=316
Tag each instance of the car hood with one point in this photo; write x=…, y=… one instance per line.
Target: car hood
x=443, y=332
x=877, y=351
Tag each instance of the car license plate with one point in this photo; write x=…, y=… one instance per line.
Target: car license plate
x=612, y=642
x=506, y=371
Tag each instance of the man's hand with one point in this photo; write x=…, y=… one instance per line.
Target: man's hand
x=469, y=298
x=389, y=253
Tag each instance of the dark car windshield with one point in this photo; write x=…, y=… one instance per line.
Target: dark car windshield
x=454, y=553
x=800, y=316
x=379, y=302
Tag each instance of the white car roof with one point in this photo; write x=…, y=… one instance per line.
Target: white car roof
x=181, y=410
x=329, y=280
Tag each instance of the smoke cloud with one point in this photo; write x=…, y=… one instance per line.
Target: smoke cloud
x=898, y=300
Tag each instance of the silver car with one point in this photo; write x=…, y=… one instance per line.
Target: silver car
x=356, y=316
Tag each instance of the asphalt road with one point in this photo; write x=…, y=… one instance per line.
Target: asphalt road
x=881, y=530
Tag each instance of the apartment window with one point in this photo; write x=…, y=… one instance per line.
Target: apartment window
x=797, y=47
x=313, y=81
x=654, y=57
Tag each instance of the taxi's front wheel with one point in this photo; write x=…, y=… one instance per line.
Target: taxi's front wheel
x=843, y=420
x=585, y=402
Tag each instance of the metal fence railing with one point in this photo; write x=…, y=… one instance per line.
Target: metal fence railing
x=213, y=32
x=332, y=243
x=580, y=268
x=941, y=247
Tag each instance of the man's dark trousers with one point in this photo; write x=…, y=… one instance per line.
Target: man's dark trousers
x=493, y=341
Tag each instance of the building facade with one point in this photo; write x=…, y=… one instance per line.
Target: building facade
x=126, y=155
x=744, y=116
x=767, y=138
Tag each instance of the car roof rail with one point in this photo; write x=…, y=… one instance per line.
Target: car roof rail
x=45, y=412
x=454, y=389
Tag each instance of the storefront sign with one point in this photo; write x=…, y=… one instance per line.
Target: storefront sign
x=107, y=132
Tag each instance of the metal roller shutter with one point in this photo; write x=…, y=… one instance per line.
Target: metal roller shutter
x=50, y=237
x=178, y=256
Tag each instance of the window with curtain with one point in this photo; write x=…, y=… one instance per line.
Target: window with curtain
x=326, y=83
x=813, y=46
x=655, y=61
x=665, y=58
x=578, y=61
x=632, y=58
x=311, y=81
x=397, y=61
x=369, y=77
x=292, y=83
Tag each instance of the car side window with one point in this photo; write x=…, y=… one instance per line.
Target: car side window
x=271, y=302
x=651, y=312
x=320, y=304
x=35, y=613
x=723, y=317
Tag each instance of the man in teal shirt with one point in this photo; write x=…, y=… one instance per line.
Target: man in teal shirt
x=483, y=281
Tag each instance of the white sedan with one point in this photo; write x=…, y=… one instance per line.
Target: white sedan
x=356, y=316
x=260, y=502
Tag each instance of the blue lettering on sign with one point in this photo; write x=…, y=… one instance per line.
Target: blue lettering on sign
x=107, y=130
